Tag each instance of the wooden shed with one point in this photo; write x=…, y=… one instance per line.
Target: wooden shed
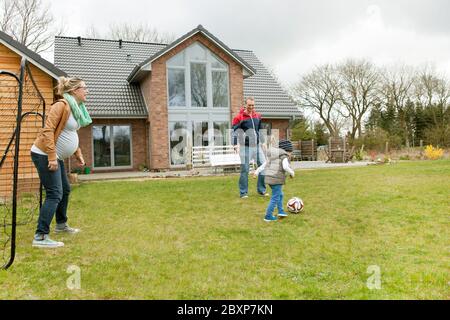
x=39, y=80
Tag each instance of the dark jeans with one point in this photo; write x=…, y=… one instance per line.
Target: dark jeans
x=57, y=190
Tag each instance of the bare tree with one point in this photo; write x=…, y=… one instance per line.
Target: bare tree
x=432, y=91
x=359, y=91
x=7, y=15
x=396, y=90
x=319, y=92
x=431, y=88
x=92, y=32
x=130, y=32
x=397, y=84
x=29, y=22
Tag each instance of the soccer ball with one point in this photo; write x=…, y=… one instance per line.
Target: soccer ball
x=295, y=205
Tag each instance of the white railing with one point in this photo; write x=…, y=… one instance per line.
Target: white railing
x=214, y=156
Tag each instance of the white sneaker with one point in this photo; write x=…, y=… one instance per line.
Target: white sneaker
x=46, y=242
x=66, y=229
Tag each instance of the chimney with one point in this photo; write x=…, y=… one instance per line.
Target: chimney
x=128, y=57
x=120, y=43
x=79, y=40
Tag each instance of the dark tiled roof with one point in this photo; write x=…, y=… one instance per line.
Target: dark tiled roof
x=270, y=98
x=32, y=56
x=105, y=67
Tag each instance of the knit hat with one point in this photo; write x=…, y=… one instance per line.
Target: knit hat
x=286, y=145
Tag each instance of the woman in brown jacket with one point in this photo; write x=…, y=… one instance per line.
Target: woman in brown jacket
x=57, y=141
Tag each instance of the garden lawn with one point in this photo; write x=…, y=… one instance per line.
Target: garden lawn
x=194, y=238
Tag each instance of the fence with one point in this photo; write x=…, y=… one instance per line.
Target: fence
x=22, y=109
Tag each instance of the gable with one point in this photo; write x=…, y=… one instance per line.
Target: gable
x=181, y=42
x=160, y=62
x=31, y=56
x=10, y=61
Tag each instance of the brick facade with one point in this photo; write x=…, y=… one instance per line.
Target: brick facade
x=281, y=124
x=154, y=88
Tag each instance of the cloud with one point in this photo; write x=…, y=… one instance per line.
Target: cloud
x=290, y=36
x=370, y=37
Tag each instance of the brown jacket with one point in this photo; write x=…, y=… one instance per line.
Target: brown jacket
x=55, y=122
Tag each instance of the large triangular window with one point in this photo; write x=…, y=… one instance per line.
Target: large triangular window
x=197, y=78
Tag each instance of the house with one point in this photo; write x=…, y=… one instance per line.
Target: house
x=149, y=102
x=146, y=99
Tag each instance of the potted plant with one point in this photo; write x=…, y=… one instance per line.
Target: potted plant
x=143, y=167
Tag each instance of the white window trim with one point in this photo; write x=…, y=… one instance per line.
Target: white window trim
x=189, y=114
x=187, y=79
x=111, y=145
x=169, y=141
x=189, y=129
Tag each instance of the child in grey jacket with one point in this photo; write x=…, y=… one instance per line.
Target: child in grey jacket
x=275, y=169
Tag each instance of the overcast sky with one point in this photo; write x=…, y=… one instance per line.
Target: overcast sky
x=289, y=36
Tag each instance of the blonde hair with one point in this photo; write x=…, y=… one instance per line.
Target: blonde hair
x=67, y=85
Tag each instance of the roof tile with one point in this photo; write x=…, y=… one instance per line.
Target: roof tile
x=105, y=68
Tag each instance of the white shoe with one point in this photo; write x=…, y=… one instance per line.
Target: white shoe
x=66, y=229
x=46, y=242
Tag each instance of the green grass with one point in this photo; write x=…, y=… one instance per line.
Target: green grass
x=196, y=239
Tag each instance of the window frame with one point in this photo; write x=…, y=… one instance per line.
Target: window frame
x=187, y=78
x=111, y=146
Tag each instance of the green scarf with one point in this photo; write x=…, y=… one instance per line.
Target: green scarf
x=79, y=111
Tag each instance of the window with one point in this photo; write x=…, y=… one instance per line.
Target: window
x=197, y=52
x=178, y=142
x=112, y=146
x=198, y=85
x=122, y=146
x=220, y=88
x=200, y=133
x=102, y=146
x=267, y=126
x=177, y=61
x=177, y=96
x=198, y=102
x=197, y=78
x=221, y=133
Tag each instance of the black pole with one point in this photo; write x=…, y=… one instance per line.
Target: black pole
x=16, y=165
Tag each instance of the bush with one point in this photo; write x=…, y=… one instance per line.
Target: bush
x=405, y=157
x=143, y=167
x=360, y=154
x=432, y=153
x=438, y=135
x=77, y=171
x=373, y=140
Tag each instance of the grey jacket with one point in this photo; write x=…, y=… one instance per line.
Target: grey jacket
x=274, y=172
